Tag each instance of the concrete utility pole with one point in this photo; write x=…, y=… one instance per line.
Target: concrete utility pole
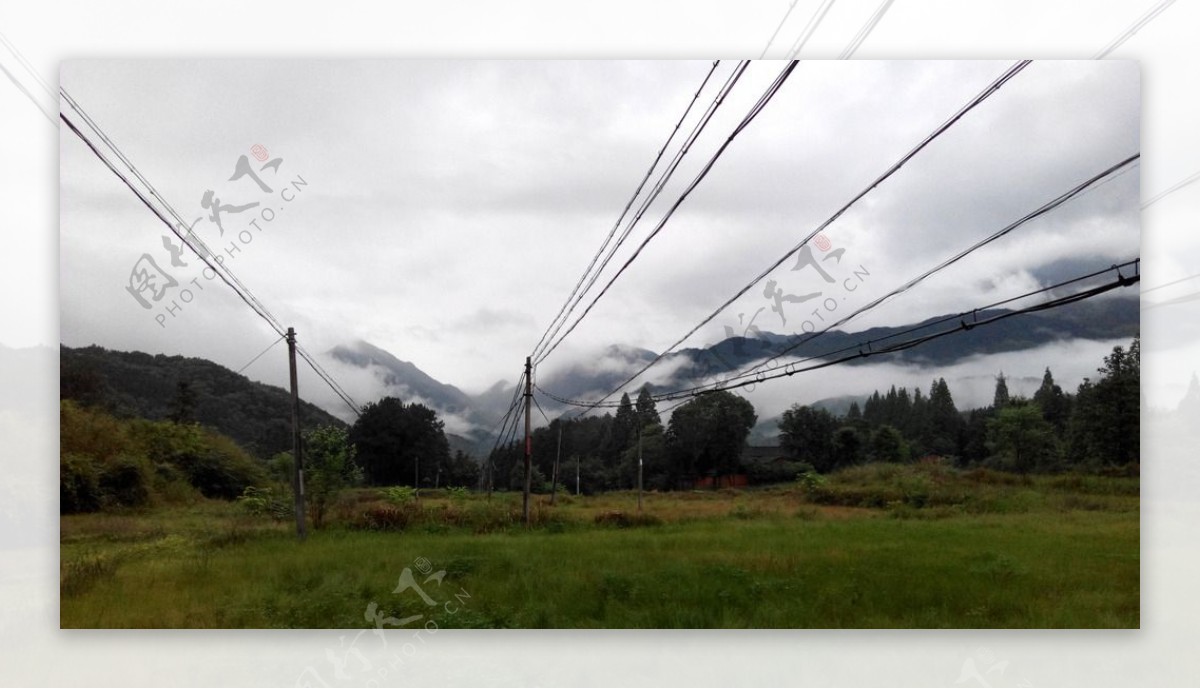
x=417, y=476
x=557, y=457
x=528, y=437
x=576, y=475
x=297, y=460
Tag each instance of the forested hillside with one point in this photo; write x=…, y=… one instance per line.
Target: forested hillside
x=157, y=387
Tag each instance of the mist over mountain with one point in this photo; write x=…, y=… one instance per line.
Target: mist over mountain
x=403, y=379
x=1100, y=319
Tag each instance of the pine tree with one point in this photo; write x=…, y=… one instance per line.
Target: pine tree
x=945, y=424
x=647, y=411
x=624, y=430
x=1056, y=408
x=1001, y=398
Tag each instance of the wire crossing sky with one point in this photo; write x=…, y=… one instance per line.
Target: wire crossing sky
x=452, y=235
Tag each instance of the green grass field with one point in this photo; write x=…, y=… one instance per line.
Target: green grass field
x=876, y=546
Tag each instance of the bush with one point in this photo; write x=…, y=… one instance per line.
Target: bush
x=624, y=520
x=261, y=502
x=126, y=482
x=399, y=495
x=775, y=472
x=386, y=518
x=78, y=484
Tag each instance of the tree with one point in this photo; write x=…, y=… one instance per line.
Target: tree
x=184, y=406
x=647, y=411
x=328, y=467
x=1104, y=425
x=1021, y=438
x=393, y=439
x=1000, y=399
x=887, y=445
x=1055, y=406
x=945, y=423
x=706, y=435
x=806, y=434
x=848, y=447
x=854, y=414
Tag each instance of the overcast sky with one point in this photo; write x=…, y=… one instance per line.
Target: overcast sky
x=451, y=206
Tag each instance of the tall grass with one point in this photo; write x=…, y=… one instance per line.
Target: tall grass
x=942, y=548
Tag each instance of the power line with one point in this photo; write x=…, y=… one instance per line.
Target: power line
x=809, y=29
x=659, y=185
x=1133, y=29
x=624, y=211
x=745, y=122
x=16, y=53
x=783, y=21
x=1171, y=283
x=218, y=269
x=865, y=31
x=159, y=215
x=1171, y=190
x=191, y=240
x=962, y=327
x=539, y=408
x=260, y=354
x=867, y=346
x=991, y=89
x=1027, y=218
x=325, y=376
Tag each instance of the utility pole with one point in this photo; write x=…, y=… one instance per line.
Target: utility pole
x=557, y=456
x=297, y=460
x=528, y=436
x=639, y=466
x=417, y=476
x=576, y=475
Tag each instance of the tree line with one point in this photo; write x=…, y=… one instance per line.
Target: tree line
x=1095, y=428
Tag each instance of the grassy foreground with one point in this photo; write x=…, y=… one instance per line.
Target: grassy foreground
x=875, y=546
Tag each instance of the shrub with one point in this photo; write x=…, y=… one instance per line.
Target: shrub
x=261, y=502
x=624, y=520
x=126, y=482
x=386, y=518
x=775, y=472
x=78, y=484
x=399, y=495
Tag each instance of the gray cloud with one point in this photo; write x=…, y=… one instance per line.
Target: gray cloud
x=451, y=205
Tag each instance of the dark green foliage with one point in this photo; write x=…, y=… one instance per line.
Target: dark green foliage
x=394, y=441
x=1000, y=399
x=777, y=471
x=706, y=435
x=945, y=424
x=184, y=407
x=328, y=467
x=109, y=462
x=157, y=387
x=887, y=445
x=806, y=435
x=646, y=409
x=1023, y=440
x=1104, y=426
x=1054, y=403
x=126, y=482
x=78, y=484
x=849, y=447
